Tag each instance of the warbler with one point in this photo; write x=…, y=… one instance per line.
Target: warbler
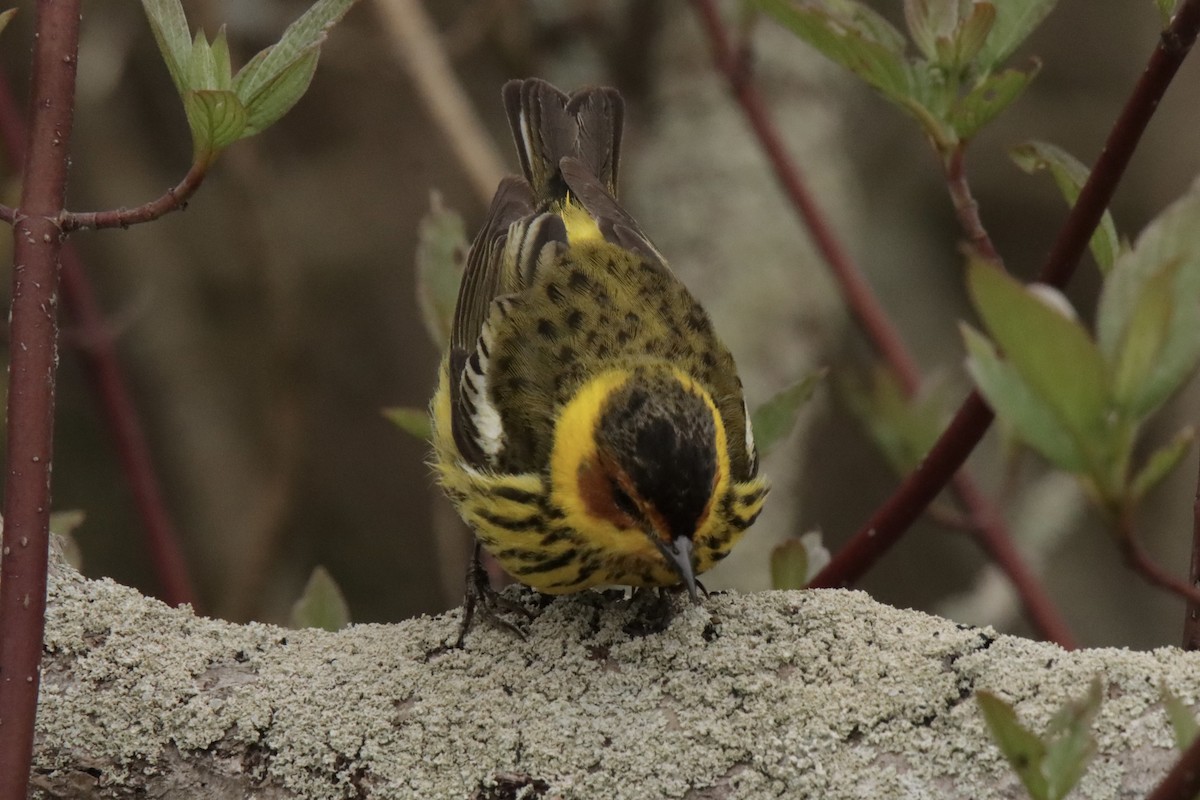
x=588, y=424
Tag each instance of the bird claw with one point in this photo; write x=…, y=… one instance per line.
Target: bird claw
x=488, y=603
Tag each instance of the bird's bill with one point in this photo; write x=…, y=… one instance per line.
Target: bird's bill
x=679, y=554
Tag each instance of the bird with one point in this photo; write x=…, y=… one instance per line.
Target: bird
x=589, y=425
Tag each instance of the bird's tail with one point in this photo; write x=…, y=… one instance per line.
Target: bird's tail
x=549, y=125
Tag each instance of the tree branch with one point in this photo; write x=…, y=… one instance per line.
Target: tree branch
x=970, y=423
x=33, y=357
x=988, y=524
x=1191, y=619
x=173, y=199
x=809, y=694
x=99, y=355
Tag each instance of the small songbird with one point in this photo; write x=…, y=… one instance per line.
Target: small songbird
x=588, y=423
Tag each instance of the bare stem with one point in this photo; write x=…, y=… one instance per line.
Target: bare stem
x=173, y=199
x=987, y=523
x=1141, y=562
x=965, y=206
x=99, y=355
x=1191, y=619
x=971, y=422
x=33, y=356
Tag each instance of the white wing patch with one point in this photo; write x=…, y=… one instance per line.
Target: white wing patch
x=485, y=418
x=750, y=450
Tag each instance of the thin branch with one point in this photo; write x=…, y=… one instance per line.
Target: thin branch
x=965, y=205
x=1191, y=619
x=173, y=199
x=971, y=422
x=33, y=357
x=98, y=353
x=1140, y=561
x=987, y=523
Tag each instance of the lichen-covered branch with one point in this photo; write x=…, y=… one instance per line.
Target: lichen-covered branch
x=779, y=694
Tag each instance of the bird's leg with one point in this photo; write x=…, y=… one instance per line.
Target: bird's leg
x=482, y=598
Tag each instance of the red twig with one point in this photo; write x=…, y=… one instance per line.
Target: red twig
x=988, y=524
x=99, y=355
x=1191, y=619
x=890, y=521
x=1141, y=562
x=1183, y=781
x=32, y=366
x=173, y=199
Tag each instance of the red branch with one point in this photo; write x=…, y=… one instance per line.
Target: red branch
x=889, y=522
x=173, y=199
x=99, y=355
x=987, y=523
x=33, y=360
x=1191, y=619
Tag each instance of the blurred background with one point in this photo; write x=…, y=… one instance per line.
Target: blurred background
x=263, y=330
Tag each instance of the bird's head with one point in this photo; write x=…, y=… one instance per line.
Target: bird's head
x=649, y=465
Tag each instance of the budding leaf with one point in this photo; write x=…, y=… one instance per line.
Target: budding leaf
x=1070, y=174
x=1183, y=722
x=441, y=255
x=321, y=604
x=170, y=29
x=992, y=95
x=413, y=421
x=1015, y=20
x=1160, y=463
x=1032, y=419
x=216, y=117
x=1023, y=749
x=1165, y=260
x=774, y=419
x=1052, y=353
x=854, y=36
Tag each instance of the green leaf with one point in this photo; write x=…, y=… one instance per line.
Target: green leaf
x=1138, y=353
x=1049, y=766
x=216, y=117
x=855, y=37
x=1183, y=722
x=1171, y=242
x=302, y=37
x=1032, y=420
x=1070, y=744
x=202, y=66
x=774, y=419
x=1015, y=20
x=170, y=29
x=992, y=95
x=1166, y=11
x=278, y=95
x=6, y=17
x=903, y=428
x=794, y=562
x=414, y=421
x=1023, y=749
x=1070, y=174
x=442, y=246
x=789, y=565
x=321, y=604
x=1160, y=463
x=1052, y=353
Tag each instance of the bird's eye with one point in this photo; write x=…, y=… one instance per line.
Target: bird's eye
x=623, y=501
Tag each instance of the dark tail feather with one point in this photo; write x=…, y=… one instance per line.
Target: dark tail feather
x=548, y=126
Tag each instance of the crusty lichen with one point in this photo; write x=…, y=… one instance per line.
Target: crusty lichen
x=780, y=694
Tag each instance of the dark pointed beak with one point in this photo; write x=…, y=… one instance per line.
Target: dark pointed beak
x=679, y=553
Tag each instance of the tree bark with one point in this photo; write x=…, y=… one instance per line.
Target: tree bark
x=778, y=694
